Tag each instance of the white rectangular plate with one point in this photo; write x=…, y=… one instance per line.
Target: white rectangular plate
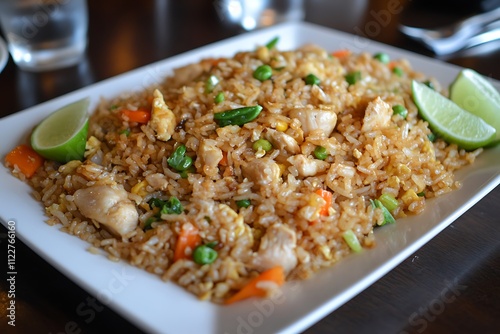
x=156, y=306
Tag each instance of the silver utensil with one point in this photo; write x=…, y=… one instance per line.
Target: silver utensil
x=472, y=31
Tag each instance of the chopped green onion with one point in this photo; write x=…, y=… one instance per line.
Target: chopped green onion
x=204, y=254
x=382, y=57
x=210, y=84
x=244, y=203
x=238, y=116
x=184, y=173
x=311, y=79
x=352, y=241
x=149, y=221
x=263, y=72
x=432, y=137
x=398, y=71
x=125, y=132
x=113, y=107
x=429, y=84
x=320, y=153
x=400, y=110
x=272, y=43
x=421, y=194
x=178, y=160
x=388, y=218
x=219, y=98
x=262, y=144
x=212, y=244
x=353, y=77
x=388, y=201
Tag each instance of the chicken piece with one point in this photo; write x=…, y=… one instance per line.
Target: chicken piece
x=162, y=118
x=277, y=248
x=108, y=205
x=282, y=141
x=314, y=119
x=210, y=156
x=262, y=172
x=308, y=166
x=377, y=115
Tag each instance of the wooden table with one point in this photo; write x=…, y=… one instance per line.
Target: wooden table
x=452, y=284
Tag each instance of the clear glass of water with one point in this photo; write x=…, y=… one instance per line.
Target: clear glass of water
x=45, y=34
x=252, y=14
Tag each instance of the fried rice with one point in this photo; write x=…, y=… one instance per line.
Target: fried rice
x=285, y=220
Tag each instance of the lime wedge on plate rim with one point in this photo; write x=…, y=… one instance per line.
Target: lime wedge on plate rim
x=477, y=95
x=63, y=134
x=449, y=121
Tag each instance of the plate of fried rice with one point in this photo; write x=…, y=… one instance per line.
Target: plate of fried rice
x=218, y=174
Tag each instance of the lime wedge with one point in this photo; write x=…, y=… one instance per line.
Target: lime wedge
x=62, y=135
x=475, y=94
x=451, y=122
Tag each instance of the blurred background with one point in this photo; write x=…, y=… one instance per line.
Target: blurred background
x=127, y=34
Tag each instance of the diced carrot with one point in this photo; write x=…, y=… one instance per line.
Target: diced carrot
x=327, y=196
x=139, y=116
x=223, y=161
x=275, y=274
x=188, y=237
x=392, y=64
x=341, y=53
x=26, y=159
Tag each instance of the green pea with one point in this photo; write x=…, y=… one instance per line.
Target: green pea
x=219, y=98
x=353, y=77
x=204, y=254
x=263, y=72
x=320, y=153
x=244, y=203
x=311, y=79
x=382, y=57
x=398, y=71
x=400, y=110
x=262, y=144
x=238, y=116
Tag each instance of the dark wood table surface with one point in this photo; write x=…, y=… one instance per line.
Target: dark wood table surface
x=451, y=285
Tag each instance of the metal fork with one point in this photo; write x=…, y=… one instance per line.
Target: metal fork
x=472, y=31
